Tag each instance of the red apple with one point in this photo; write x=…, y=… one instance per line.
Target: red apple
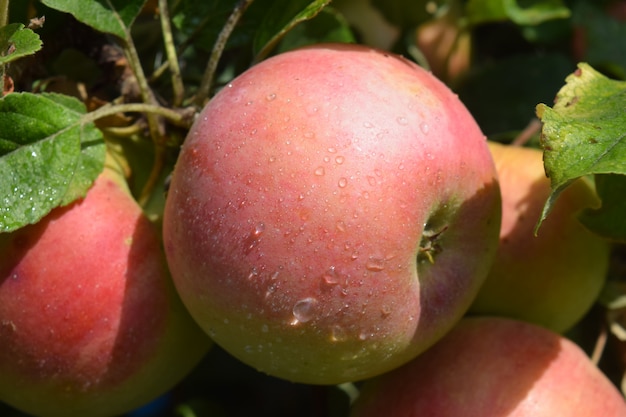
x=333, y=212
x=90, y=323
x=551, y=279
x=494, y=367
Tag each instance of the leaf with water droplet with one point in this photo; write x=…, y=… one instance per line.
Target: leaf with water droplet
x=48, y=156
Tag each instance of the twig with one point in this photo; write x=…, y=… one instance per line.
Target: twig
x=220, y=43
x=4, y=19
x=172, y=57
x=180, y=117
x=598, y=349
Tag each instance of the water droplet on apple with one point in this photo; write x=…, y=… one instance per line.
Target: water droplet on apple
x=337, y=333
x=424, y=128
x=375, y=264
x=402, y=121
x=330, y=277
x=342, y=182
x=371, y=180
x=270, y=97
x=319, y=171
x=385, y=310
x=332, y=150
x=254, y=273
x=265, y=328
x=368, y=125
x=341, y=226
x=303, y=310
x=339, y=159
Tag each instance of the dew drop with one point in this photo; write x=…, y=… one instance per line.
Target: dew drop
x=303, y=310
x=371, y=180
x=264, y=328
x=254, y=273
x=330, y=277
x=375, y=264
x=319, y=171
x=341, y=225
x=342, y=182
x=332, y=150
x=270, y=97
x=338, y=334
x=424, y=128
x=254, y=238
x=339, y=159
x=402, y=121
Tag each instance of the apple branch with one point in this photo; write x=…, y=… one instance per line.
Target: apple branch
x=172, y=57
x=4, y=19
x=220, y=43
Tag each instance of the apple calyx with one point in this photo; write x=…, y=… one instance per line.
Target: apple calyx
x=429, y=245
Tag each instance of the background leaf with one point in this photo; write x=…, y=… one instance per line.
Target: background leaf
x=19, y=40
x=481, y=11
x=608, y=221
x=583, y=133
x=108, y=16
x=282, y=19
x=48, y=156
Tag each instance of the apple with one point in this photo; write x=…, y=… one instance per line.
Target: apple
x=332, y=213
x=552, y=278
x=494, y=367
x=90, y=322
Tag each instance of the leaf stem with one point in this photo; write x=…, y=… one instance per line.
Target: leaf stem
x=218, y=48
x=172, y=57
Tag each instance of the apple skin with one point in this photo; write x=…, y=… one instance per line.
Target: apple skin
x=551, y=279
x=494, y=367
x=307, y=202
x=90, y=323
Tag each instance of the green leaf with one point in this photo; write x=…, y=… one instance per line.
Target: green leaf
x=407, y=14
x=49, y=156
x=18, y=41
x=520, y=12
x=608, y=221
x=280, y=19
x=584, y=132
x=108, y=16
x=327, y=26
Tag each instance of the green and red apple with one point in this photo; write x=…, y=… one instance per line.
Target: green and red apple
x=494, y=367
x=552, y=278
x=333, y=212
x=90, y=323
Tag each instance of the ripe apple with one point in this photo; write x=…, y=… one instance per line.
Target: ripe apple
x=90, y=323
x=551, y=279
x=494, y=367
x=332, y=213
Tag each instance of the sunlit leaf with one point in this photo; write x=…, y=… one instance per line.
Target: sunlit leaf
x=108, y=16
x=48, y=156
x=584, y=132
x=17, y=41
